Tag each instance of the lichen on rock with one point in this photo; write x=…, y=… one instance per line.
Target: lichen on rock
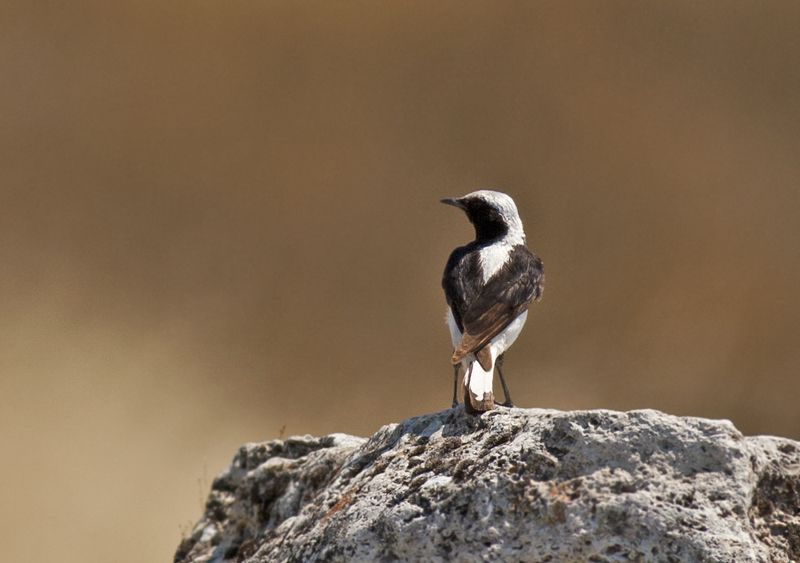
x=511, y=485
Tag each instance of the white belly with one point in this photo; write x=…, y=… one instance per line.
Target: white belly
x=480, y=380
x=505, y=339
x=498, y=344
x=455, y=334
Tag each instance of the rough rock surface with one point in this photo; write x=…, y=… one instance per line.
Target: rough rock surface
x=511, y=485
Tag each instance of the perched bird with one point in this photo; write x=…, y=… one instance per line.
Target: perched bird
x=488, y=284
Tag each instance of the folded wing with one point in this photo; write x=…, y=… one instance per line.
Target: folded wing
x=506, y=296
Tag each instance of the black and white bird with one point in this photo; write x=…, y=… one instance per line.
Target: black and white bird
x=489, y=284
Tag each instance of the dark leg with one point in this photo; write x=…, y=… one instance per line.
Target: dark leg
x=499, y=365
x=456, y=369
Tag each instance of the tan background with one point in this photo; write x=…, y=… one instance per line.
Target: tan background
x=219, y=220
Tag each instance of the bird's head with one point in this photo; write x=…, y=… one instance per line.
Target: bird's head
x=494, y=214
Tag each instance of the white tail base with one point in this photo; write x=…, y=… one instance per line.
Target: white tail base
x=479, y=380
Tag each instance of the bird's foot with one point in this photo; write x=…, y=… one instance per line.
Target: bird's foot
x=454, y=405
x=507, y=404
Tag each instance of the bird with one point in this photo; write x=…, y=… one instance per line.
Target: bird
x=488, y=284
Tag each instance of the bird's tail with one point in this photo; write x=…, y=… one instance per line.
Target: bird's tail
x=478, y=396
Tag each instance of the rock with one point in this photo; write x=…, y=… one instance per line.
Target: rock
x=511, y=485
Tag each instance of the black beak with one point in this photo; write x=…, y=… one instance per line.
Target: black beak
x=455, y=202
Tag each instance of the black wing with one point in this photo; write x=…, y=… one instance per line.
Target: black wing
x=462, y=280
x=506, y=296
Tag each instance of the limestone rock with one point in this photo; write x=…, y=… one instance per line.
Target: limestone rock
x=511, y=485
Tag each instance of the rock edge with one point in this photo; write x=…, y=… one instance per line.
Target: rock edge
x=511, y=485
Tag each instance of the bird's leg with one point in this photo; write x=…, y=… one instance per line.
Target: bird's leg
x=499, y=364
x=456, y=369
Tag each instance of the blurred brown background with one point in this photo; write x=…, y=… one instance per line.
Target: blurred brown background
x=219, y=220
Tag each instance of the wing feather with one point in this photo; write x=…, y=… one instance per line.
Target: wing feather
x=499, y=303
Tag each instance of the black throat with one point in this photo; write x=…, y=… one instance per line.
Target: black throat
x=489, y=232
x=489, y=225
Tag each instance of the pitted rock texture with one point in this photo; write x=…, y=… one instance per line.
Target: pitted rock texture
x=512, y=485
